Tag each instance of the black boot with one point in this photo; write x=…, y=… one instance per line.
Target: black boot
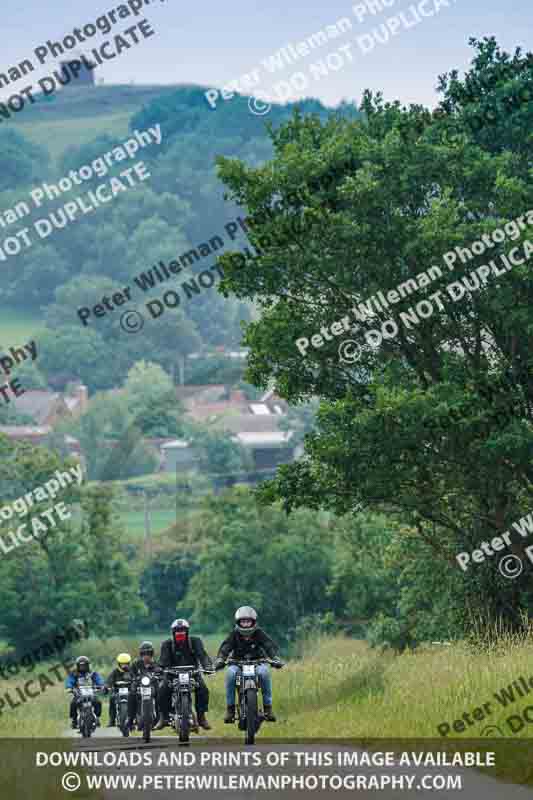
x=161, y=723
x=74, y=724
x=112, y=722
x=269, y=716
x=203, y=722
x=230, y=715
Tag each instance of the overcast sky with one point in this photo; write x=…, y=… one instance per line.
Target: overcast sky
x=211, y=43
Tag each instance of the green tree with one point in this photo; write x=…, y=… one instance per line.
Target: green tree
x=79, y=292
x=101, y=430
x=10, y=416
x=222, y=457
x=29, y=375
x=173, y=337
x=349, y=209
x=79, y=354
x=259, y=557
x=114, y=589
x=163, y=586
x=152, y=401
x=66, y=568
x=493, y=100
x=22, y=161
x=301, y=420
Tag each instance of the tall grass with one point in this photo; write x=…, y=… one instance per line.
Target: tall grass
x=47, y=714
x=340, y=688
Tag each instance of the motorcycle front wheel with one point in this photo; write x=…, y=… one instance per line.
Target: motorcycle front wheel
x=85, y=725
x=123, y=720
x=251, y=716
x=182, y=719
x=147, y=716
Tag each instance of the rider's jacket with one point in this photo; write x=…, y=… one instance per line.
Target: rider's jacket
x=138, y=668
x=258, y=645
x=117, y=675
x=72, y=679
x=191, y=652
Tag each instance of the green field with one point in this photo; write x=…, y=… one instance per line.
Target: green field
x=76, y=116
x=342, y=688
x=57, y=135
x=18, y=327
x=133, y=521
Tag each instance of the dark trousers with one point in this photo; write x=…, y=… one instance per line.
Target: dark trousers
x=201, y=697
x=97, y=705
x=112, y=709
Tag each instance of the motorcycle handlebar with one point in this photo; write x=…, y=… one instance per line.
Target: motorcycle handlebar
x=191, y=667
x=241, y=661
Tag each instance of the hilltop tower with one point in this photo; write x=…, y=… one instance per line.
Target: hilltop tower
x=85, y=76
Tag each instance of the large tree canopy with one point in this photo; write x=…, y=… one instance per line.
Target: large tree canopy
x=435, y=422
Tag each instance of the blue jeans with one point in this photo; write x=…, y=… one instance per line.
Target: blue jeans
x=265, y=682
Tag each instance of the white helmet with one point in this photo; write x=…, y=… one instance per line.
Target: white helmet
x=246, y=620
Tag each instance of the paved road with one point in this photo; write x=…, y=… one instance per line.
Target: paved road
x=475, y=785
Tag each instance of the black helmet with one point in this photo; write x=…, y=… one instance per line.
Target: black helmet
x=180, y=631
x=246, y=620
x=146, y=649
x=83, y=664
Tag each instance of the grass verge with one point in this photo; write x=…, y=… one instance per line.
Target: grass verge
x=340, y=688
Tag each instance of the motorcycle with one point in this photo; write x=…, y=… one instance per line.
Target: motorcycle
x=247, y=682
x=146, y=690
x=183, y=682
x=84, y=695
x=121, y=692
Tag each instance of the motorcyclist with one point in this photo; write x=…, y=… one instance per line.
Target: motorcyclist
x=247, y=640
x=120, y=673
x=182, y=649
x=82, y=674
x=143, y=665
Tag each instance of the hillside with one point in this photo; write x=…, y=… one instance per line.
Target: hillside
x=180, y=205
x=78, y=115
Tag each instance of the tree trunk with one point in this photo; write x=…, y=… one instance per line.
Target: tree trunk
x=181, y=370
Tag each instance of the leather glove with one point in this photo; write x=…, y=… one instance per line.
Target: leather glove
x=219, y=663
x=277, y=663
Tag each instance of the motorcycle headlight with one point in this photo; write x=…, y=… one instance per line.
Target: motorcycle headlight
x=145, y=681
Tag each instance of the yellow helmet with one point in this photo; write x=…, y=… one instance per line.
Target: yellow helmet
x=124, y=661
